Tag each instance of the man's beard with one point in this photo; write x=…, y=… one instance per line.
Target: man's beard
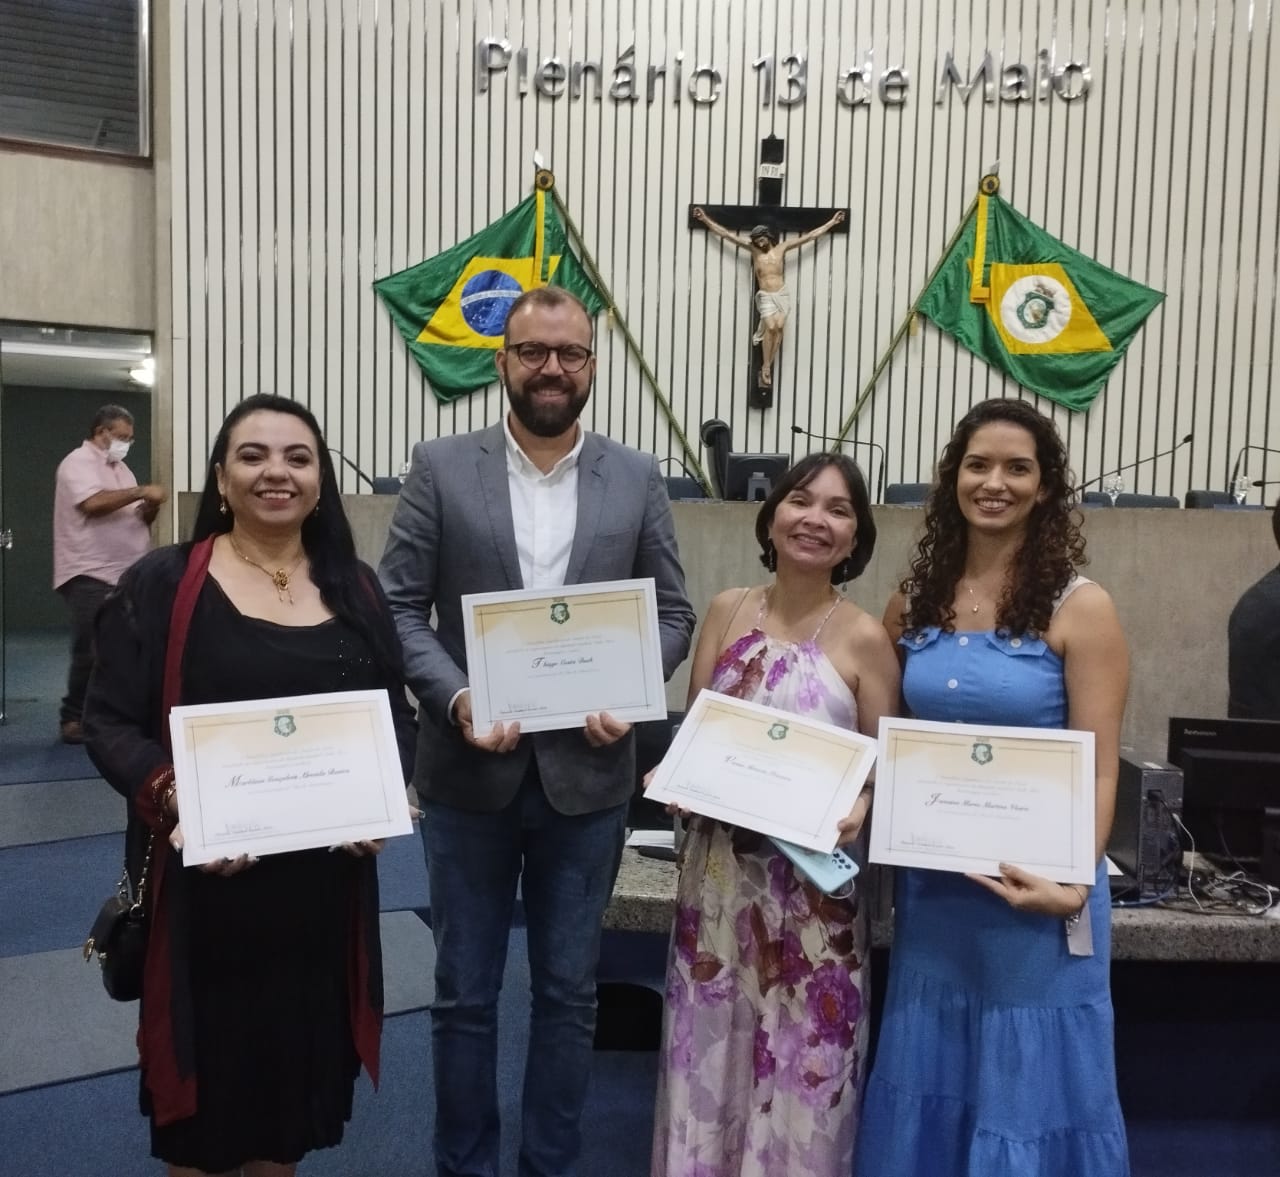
x=547, y=419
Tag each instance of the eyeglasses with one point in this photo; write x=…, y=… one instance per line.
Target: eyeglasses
x=572, y=357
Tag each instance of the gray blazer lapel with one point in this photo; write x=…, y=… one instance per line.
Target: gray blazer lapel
x=491, y=469
x=593, y=481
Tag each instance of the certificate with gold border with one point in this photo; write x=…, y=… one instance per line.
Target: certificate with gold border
x=548, y=658
x=767, y=770
x=959, y=797
x=268, y=776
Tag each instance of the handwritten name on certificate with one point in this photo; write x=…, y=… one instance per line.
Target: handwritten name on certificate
x=549, y=658
x=267, y=776
x=958, y=797
x=764, y=769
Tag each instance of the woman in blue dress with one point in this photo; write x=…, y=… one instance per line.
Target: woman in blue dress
x=995, y=1056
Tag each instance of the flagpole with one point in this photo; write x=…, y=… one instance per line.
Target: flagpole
x=904, y=326
x=545, y=181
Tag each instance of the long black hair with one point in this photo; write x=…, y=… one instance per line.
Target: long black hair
x=346, y=586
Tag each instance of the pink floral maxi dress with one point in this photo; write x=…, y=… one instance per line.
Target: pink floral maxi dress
x=764, y=1037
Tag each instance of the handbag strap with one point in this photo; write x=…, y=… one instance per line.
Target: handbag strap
x=141, y=894
x=184, y=606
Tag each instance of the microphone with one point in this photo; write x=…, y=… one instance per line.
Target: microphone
x=875, y=445
x=349, y=463
x=1235, y=470
x=1265, y=482
x=1141, y=461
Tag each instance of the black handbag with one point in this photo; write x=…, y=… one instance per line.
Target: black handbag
x=119, y=936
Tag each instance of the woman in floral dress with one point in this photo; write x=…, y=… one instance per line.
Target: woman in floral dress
x=764, y=1041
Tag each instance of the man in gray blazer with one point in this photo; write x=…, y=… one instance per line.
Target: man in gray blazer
x=535, y=502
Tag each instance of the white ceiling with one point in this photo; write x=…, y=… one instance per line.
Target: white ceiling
x=60, y=357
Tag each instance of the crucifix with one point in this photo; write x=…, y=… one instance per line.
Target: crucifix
x=758, y=227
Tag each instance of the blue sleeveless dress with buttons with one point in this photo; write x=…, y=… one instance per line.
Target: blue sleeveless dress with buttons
x=995, y=1056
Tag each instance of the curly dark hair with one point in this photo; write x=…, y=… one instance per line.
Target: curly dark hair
x=800, y=474
x=1052, y=548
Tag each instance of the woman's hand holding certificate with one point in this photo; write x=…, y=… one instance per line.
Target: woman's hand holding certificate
x=955, y=797
x=272, y=775
x=766, y=770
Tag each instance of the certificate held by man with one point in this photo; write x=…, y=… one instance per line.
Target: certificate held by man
x=765, y=769
x=267, y=776
x=548, y=658
x=956, y=797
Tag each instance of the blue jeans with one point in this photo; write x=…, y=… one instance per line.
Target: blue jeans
x=566, y=867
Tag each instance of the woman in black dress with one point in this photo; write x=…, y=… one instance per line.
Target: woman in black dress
x=262, y=992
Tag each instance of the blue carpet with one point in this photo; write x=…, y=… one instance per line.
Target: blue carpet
x=60, y=1026
x=1204, y=1148
x=53, y=811
x=31, y=750
x=402, y=874
x=390, y=1131
x=52, y=891
x=35, y=678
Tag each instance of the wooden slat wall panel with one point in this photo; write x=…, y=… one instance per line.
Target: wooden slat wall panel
x=320, y=145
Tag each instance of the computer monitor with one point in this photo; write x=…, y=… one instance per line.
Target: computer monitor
x=750, y=477
x=1231, y=788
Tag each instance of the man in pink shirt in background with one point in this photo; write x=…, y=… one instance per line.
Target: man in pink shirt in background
x=101, y=524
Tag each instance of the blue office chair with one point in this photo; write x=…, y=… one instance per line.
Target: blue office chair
x=1209, y=499
x=1096, y=498
x=387, y=484
x=1135, y=500
x=906, y=494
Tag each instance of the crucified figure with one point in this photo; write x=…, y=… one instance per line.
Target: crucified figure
x=773, y=299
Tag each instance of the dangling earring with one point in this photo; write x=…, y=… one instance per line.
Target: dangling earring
x=770, y=556
x=317, y=510
x=222, y=505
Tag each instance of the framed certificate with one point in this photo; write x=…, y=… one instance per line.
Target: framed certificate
x=549, y=658
x=271, y=775
x=957, y=797
x=768, y=770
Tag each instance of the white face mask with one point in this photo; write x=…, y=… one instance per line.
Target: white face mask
x=118, y=450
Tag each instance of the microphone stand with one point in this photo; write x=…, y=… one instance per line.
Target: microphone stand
x=875, y=445
x=1129, y=465
x=1235, y=469
x=349, y=463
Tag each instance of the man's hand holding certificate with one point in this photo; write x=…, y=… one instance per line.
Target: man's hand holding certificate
x=956, y=797
x=767, y=770
x=271, y=775
x=546, y=659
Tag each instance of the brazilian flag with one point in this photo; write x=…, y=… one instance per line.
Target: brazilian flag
x=1026, y=303
x=452, y=308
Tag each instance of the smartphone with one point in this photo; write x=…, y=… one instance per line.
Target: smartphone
x=830, y=871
